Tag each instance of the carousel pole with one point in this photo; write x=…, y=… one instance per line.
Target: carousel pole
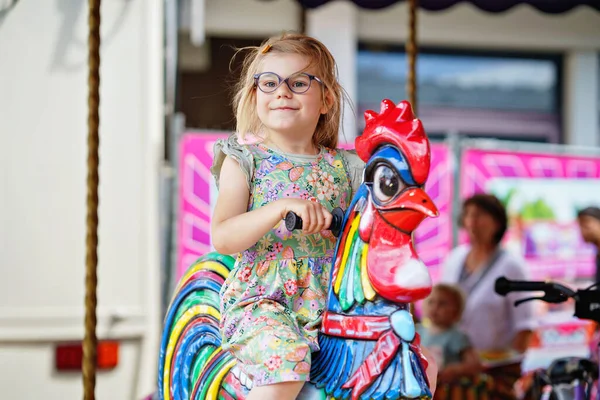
x=411, y=51
x=90, y=340
x=411, y=81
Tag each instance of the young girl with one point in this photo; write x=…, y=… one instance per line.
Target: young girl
x=454, y=354
x=282, y=159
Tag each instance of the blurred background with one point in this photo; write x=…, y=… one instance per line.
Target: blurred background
x=510, y=100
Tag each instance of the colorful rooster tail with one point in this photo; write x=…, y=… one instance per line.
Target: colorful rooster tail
x=192, y=364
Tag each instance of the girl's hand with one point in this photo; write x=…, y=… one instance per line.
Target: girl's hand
x=315, y=217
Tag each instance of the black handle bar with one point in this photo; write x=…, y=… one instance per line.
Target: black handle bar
x=293, y=221
x=504, y=286
x=587, y=301
x=553, y=292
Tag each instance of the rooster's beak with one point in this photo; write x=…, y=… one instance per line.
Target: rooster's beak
x=409, y=209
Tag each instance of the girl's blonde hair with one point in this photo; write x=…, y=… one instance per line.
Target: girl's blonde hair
x=244, y=100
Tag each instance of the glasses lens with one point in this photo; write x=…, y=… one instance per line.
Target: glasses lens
x=299, y=83
x=268, y=82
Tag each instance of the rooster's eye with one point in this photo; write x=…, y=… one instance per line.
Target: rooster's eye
x=386, y=183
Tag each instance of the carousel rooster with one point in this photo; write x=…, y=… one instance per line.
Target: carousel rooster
x=369, y=347
x=377, y=272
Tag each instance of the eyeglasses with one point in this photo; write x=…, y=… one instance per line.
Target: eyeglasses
x=299, y=83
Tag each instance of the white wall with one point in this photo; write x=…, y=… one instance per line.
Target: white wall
x=326, y=24
x=463, y=25
x=582, y=100
x=43, y=151
x=247, y=18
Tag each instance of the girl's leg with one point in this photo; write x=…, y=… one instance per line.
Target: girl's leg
x=277, y=391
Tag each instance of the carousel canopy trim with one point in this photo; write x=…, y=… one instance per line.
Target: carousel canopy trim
x=492, y=6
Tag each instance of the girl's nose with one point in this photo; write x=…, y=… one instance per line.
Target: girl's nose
x=283, y=91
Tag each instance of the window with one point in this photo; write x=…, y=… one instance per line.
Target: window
x=489, y=95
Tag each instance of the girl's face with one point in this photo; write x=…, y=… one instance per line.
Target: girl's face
x=283, y=111
x=441, y=309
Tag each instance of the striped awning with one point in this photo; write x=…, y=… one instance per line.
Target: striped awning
x=492, y=6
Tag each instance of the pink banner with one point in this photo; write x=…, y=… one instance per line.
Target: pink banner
x=542, y=194
x=196, y=189
x=434, y=236
x=197, y=193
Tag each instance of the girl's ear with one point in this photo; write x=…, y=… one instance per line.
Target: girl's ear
x=327, y=103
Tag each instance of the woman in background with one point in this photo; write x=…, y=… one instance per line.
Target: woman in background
x=499, y=332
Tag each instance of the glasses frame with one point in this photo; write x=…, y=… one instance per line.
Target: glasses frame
x=287, y=82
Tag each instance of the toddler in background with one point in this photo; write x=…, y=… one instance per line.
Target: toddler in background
x=451, y=348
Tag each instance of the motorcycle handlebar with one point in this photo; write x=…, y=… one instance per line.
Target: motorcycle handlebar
x=504, y=286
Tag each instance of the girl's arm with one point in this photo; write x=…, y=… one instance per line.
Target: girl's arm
x=234, y=229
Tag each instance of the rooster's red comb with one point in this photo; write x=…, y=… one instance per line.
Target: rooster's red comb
x=396, y=125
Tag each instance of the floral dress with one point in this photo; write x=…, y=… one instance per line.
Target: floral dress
x=271, y=303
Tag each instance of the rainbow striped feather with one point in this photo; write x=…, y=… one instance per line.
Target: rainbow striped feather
x=192, y=364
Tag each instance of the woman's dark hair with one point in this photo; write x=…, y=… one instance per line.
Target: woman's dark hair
x=489, y=204
x=591, y=211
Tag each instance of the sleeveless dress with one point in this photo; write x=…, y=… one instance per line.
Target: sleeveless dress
x=271, y=303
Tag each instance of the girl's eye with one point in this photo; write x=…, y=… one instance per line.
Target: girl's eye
x=300, y=81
